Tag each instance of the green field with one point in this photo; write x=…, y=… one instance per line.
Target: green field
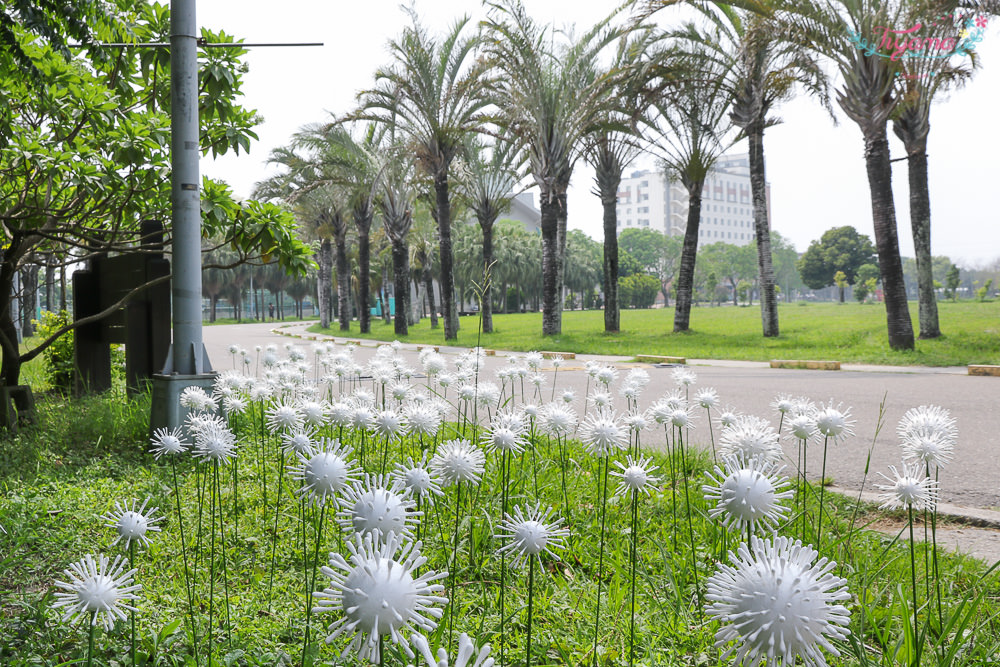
x=844, y=332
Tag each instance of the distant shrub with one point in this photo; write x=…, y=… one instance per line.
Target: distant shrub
x=58, y=356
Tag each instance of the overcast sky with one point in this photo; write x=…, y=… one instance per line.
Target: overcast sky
x=815, y=168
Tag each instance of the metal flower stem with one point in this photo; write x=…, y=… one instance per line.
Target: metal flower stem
x=531, y=599
x=225, y=567
x=561, y=439
x=311, y=583
x=211, y=575
x=131, y=613
x=602, y=472
x=263, y=467
x=913, y=585
x=505, y=465
x=187, y=573
x=802, y=486
x=673, y=484
x=274, y=530
x=687, y=507
x=934, y=553
x=90, y=639
x=632, y=558
x=454, y=569
x=711, y=434
x=822, y=488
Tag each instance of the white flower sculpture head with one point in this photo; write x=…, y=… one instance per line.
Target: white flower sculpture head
x=603, y=435
x=503, y=436
x=707, y=398
x=663, y=409
x=683, y=377
x=635, y=476
x=213, y=441
x=783, y=403
x=458, y=461
x=378, y=594
x=389, y=424
x=529, y=533
x=422, y=419
x=132, y=522
x=558, y=420
x=314, y=413
x=929, y=447
x=466, y=656
x=167, y=441
x=748, y=493
x=416, y=477
x=910, y=488
x=97, y=589
x=324, y=472
x=928, y=420
x=300, y=441
x=803, y=427
x=750, y=437
x=284, y=415
x=378, y=505
x=833, y=423
x=777, y=604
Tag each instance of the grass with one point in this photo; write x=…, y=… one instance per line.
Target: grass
x=57, y=479
x=847, y=332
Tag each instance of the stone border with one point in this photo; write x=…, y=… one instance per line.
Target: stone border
x=659, y=359
x=804, y=364
x=984, y=370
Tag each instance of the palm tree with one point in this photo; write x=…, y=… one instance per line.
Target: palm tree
x=916, y=87
x=869, y=98
x=489, y=179
x=422, y=254
x=694, y=128
x=431, y=94
x=320, y=203
x=395, y=202
x=550, y=98
x=352, y=160
x=763, y=69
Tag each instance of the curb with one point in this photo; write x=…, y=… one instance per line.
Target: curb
x=971, y=516
x=808, y=365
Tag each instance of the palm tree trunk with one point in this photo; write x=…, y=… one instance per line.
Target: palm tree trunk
x=486, y=309
x=551, y=286
x=612, y=314
x=765, y=267
x=364, y=287
x=343, y=284
x=449, y=308
x=689, y=253
x=324, y=281
x=401, y=287
x=898, y=323
x=920, y=222
x=429, y=286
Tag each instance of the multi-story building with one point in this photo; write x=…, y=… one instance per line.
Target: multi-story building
x=648, y=199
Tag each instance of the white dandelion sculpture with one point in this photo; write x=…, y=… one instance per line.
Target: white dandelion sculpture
x=132, y=522
x=465, y=657
x=635, y=477
x=784, y=405
x=603, y=436
x=708, y=398
x=457, y=461
x=747, y=494
x=834, y=425
x=98, y=589
x=380, y=506
x=377, y=594
x=802, y=427
x=912, y=489
x=778, y=605
x=527, y=534
x=167, y=442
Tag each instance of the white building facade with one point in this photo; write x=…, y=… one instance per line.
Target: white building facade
x=646, y=199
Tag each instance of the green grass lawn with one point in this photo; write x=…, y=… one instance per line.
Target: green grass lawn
x=845, y=332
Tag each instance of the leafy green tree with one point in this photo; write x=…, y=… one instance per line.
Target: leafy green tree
x=583, y=262
x=86, y=150
x=639, y=290
x=984, y=291
x=952, y=281
x=840, y=280
x=550, y=97
x=839, y=249
x=396, y=196
x=731, y=263
x=866, y=272
x=785, y=258
x=657, y=253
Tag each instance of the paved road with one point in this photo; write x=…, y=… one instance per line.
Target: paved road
x=972, y=480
